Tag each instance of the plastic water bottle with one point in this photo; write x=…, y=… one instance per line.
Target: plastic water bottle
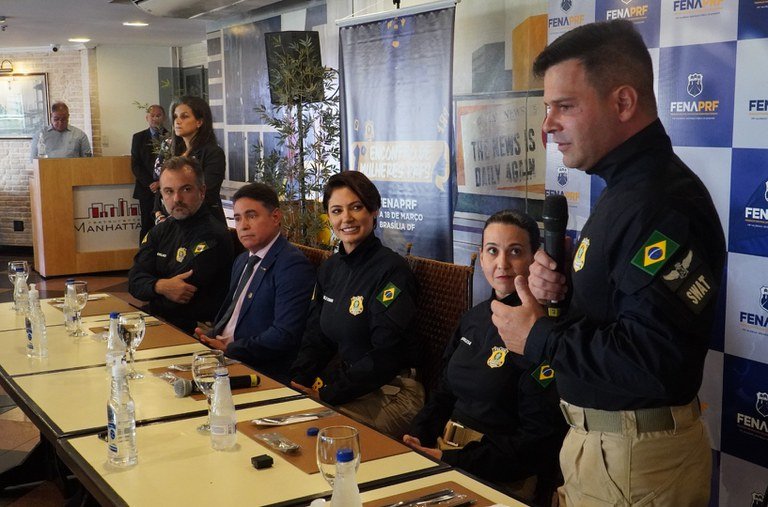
x=41, y=146
x=115, y=345
x=223, y=420
x=37, y=337
x=121, y=421
x=70, y=307
x=20, y=292
x=345, y=490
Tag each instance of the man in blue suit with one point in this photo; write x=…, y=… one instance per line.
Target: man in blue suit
x=262, y=319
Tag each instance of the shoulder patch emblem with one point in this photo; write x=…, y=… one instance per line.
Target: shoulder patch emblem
x=581, y=253
x=356, y=305
x=318, y=384
x=497, y=357
x=691, y=280
x=544, y=374
x=181, y=254
x=388, y=294
x=655, y=253
x=145, y=238
x=200, y=247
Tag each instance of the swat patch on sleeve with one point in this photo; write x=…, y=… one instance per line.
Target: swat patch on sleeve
x=691, y=280
x=388, y=294
x=654, y=253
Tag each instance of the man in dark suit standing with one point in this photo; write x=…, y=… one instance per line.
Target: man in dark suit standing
x=262, y=319
x=143, y=155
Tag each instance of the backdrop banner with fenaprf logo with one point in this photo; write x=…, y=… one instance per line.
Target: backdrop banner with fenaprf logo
x=396, y=84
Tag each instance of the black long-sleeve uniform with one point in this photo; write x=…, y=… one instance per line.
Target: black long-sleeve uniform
x=499, y=394
x=645, y=280
x=362, y=309
x=200, y=243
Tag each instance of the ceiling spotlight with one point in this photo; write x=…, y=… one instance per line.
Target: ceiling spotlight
x=79, y=39
x=135, y=23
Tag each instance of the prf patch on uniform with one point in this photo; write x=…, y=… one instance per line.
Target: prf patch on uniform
x=181, y=253
x=200, y=247
x=145, y=238
x=356, y=305
x=544, y=374
x=388, y=294
x=497, y=357
x=580, y=259
x=656, y=251
x=318, y=384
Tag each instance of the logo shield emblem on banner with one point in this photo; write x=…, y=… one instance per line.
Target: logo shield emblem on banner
x=764, y=298
x=562, y=176
x=762, y=404
x=566, y=5
x=695, y=86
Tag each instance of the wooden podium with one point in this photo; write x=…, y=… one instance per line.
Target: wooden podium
x=59, y=223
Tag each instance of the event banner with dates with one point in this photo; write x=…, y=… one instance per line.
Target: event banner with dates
x=396, y=77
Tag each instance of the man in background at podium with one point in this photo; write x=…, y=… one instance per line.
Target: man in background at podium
x=143, y=155
x=60, y=139
x=182, y=267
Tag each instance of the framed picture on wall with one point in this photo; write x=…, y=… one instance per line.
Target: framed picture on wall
x=23, y=105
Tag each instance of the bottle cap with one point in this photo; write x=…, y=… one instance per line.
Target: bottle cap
x=345, y=455
x=114, y=315
x=312, y=431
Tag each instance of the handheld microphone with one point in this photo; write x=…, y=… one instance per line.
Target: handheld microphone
x=555, y=217
x=183, y=387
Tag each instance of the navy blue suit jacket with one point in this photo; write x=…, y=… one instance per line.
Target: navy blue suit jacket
x=274, y=312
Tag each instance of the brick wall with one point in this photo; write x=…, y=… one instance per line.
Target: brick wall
x=65, y=83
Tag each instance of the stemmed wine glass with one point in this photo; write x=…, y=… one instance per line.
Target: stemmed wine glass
x=329, y=440
x=13, y=268
x=81, y=298
x=204, y=366
x=130, y=328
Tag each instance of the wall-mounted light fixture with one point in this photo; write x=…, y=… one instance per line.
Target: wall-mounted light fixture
x=6, y=67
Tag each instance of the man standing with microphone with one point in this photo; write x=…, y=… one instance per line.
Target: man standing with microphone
x=629, y=351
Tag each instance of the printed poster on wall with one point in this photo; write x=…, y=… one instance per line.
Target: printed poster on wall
x=106, y=217
x=499, y=150
x=396, y=79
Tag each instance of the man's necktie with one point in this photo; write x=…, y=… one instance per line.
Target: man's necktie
x=247, y=272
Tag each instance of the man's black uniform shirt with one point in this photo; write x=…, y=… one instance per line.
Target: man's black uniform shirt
x=200, y=243
x=645, y=278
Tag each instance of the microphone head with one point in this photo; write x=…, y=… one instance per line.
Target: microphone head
x=182, y=387
x=555, y=213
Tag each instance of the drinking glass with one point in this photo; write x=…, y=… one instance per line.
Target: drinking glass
x=130, y=328
x=81, y=298
x=329, y=440
x=204, y=366
x=13, y=269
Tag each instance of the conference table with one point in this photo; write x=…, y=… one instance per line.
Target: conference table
x=65, y=396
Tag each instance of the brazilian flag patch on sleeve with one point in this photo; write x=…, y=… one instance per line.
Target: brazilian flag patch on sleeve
x=544, y=374
x=656, y=251
x=388, y=294
x=200, y=248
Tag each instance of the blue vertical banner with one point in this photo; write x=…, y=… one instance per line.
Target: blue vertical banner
x=396, y=82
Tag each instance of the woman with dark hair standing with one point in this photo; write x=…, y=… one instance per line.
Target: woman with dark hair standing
x=361, y=314
x=193, y=137
x=494, y=414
